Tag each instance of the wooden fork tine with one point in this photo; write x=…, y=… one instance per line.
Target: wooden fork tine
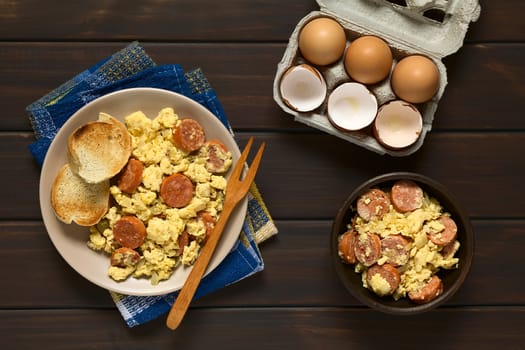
x=254, y=165
x=236, y=172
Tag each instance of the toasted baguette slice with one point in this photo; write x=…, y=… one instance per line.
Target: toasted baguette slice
x=98, y=150
x=74, y=200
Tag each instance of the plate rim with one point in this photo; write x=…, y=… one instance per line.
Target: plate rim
x=50, y=221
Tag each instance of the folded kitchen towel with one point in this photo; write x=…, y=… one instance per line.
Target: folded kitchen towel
x=128, y=68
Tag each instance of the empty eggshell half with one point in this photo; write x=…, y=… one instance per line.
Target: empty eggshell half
x=398, y=124
x=351, y=106
x=303, y=88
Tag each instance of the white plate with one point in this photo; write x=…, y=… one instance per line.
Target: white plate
x=70, y=240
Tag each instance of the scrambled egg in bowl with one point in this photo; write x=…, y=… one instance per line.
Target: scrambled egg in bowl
x=399, y=239
x=170, y=234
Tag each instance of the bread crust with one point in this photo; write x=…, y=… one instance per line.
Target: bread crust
x=98, y=150
x=75, y=200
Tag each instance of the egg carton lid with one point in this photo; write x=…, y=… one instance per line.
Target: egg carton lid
x=408, y=21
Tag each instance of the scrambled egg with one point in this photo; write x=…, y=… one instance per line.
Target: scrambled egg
x=425, y=257
x=160, y=252
x=379, y=285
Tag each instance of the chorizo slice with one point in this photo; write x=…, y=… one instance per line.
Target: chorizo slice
x=367, y=248
x=129, y=231
x=131, y=176
x=450, y=249
x=189, y=135
x=124, y=257
x=396, y=249
x=406, y=196
x=346, y=247
x=176, y=190
x=217, y=157
x=373, y=204
x=428, y=292
x=447, y=235
x=209, y=222
x=182, y=241
x=383, y=279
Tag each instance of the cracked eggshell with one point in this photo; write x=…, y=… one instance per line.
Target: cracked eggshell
x=351, y=106
x=398, y=124
x=303, y=88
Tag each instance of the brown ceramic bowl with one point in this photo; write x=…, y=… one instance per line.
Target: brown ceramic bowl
x=452, y=279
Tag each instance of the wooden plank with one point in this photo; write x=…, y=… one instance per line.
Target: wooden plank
x=234, y=20
x=37, y=273
x=185, y=20
x=485, y=83
x=496, y=14
x=243, y=76
x=281, y=328
x=298, y=271
x=309, y=175
x=22, y=171
x=318, y=171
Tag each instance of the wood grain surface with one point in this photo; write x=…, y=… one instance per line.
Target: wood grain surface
x=476, y=148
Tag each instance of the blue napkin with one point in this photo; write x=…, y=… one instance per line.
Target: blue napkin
x=128, y=68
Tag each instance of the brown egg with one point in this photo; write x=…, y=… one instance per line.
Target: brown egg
x=368, y=59
x=415, y=79
x=322, y=41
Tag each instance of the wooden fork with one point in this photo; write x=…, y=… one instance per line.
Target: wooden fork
x=236, y=189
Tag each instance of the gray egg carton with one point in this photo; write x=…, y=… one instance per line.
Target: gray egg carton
x=435, y=28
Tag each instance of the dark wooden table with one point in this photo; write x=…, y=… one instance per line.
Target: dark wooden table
x=476, y=148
